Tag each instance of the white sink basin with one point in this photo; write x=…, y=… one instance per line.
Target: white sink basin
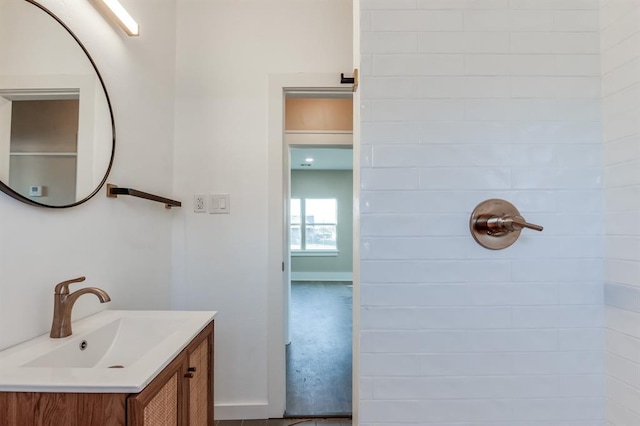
x=112, y=351
x=119, y=343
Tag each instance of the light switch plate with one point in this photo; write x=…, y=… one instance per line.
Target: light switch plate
x=219, y=204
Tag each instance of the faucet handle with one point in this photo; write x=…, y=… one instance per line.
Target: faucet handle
x=496, y=224
x=63, y=287
x=519, y=221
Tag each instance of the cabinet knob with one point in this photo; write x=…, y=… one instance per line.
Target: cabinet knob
x=189, y=375
x=191, y=369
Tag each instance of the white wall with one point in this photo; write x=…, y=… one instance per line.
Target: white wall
x=465, y=100
x=225, y=53
x=620, y=41
x=122, y=246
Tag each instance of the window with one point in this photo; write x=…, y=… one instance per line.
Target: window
x=296, y=223
x=314, y=224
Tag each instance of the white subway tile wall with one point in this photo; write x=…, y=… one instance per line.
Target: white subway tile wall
x=620, y=42
x=465, y=100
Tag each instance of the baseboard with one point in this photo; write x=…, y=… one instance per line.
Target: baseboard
x=321, y=276
x=241, y=411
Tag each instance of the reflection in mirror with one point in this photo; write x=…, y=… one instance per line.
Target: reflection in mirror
x=56, y=125
x=43, y=149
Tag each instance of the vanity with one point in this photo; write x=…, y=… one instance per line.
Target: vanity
x=151, y=368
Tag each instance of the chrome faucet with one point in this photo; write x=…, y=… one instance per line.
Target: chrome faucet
x=63, y=304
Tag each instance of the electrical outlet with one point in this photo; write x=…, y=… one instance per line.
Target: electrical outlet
x=199, y=204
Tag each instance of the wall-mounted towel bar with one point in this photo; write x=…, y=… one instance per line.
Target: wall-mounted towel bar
x=113, y=191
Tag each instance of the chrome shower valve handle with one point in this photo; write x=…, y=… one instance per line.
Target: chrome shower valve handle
x=496, y=224
x=519, y=221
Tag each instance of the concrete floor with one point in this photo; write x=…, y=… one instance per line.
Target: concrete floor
x=319, y=360
x=286, y=422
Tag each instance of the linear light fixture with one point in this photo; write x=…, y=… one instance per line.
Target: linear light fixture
x=128, y=24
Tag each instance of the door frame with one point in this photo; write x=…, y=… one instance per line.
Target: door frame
x=278, y=268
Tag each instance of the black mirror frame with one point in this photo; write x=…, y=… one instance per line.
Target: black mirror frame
x=10, y=192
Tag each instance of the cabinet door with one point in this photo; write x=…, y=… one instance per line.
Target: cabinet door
x=160, y=403
x=62, y=409
x=200, y=379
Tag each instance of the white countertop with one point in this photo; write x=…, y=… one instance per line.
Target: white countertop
x=16, y=377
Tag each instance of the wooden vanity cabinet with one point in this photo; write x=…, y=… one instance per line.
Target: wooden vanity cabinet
x=200, y=381
x=181, y=395
x=162, y=402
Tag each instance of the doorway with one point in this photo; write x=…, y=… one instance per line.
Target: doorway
x=319, y=217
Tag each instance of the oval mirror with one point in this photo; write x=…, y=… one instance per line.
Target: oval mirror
x=57, y=134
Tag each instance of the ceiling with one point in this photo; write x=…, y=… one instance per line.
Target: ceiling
x=323, y=158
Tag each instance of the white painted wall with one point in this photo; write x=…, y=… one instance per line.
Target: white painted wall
x=226, y=51
x=620, y=41
x=465, y=100
x=122, y=246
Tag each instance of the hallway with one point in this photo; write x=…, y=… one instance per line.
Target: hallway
x=319, y=356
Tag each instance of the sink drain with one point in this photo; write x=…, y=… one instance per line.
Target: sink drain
x=83, y=345
x=116, y=366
